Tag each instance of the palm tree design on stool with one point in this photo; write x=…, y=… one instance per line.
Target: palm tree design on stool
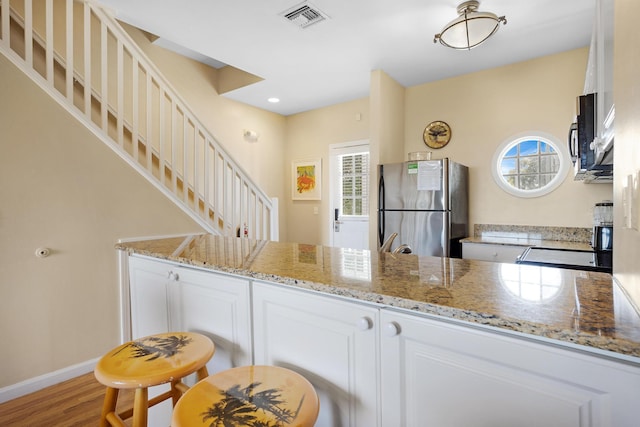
x=239, y=406
x=155, y=347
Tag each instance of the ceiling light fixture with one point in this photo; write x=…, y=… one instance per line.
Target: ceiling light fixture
x=470, y=28
x=274, y=100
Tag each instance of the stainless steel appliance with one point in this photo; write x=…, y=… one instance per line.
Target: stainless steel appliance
x=602, y=240
x=592, y=158
x=599, y=259
x=426, y=204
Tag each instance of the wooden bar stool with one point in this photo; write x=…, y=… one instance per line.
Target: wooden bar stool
x=247, y=396
x=146, y=362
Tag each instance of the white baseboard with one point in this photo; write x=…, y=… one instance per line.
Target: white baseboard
x=37, y=383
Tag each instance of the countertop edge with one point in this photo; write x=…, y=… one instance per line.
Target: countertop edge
x=543, y=243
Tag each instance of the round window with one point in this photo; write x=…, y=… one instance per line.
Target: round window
x=530, y=165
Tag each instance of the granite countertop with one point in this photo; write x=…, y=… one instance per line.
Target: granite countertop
x=572, y=306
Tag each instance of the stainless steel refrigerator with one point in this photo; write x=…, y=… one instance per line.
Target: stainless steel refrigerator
x=426, y=203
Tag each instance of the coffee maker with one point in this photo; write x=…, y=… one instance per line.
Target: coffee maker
x=602, y=241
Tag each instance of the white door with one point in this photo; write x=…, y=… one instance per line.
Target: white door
x=350, y=195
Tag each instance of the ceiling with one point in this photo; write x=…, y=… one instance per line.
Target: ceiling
x=331, y=61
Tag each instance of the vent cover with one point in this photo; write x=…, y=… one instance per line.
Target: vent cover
x=304, y=15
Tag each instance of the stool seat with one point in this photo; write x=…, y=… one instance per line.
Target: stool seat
x=149, y=361
x=249, y=395
x=153, y=360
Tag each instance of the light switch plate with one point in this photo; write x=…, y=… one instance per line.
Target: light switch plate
x=627, y=196
x=635, y=202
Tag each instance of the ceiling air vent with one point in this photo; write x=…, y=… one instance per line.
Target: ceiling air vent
x=304, y=15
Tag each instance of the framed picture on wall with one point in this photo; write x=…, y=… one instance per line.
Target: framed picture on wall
x=307, y=179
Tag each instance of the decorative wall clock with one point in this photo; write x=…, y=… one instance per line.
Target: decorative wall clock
x=437, y=134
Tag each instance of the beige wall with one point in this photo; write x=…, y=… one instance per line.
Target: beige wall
x=309, y=135
x=388, y=118
x=487, y=107
x=63, y=189
x=627, y=144
x=387, y=109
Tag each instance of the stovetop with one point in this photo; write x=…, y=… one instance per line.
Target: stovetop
x=567, y=258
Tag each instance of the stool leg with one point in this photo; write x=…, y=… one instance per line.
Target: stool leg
x=140, y=407
x=177, y=390
x=203, y=373
x=109, y=405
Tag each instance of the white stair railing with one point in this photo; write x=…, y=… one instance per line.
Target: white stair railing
x=85, y=60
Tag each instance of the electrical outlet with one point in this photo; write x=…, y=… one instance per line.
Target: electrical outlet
x=315, y=210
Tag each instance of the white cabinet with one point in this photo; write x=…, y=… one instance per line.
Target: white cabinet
x=148, y=280
x=599, y=77
x=215, y=305
x=491, y=252
x=436, y=373
x=167, y=297
x=332, y=342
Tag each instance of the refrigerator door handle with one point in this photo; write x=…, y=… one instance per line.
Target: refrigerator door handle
x=381, y=224
x=446, y=234
x=381, y=191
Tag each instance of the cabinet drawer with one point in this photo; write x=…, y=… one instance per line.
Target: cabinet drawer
x=491, y=252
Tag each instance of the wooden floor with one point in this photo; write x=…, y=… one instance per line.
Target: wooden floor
x=73, y=403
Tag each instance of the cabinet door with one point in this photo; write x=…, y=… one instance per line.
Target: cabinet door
x=440, y=374
x=148, y=287
x=148, y=292
x=331, y=342
x=217, y=306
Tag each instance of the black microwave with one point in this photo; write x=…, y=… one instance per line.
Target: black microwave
x=589, y=165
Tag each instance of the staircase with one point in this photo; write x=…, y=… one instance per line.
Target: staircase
x=84, y=60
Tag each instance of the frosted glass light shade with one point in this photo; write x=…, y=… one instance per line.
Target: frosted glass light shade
x=470, y=29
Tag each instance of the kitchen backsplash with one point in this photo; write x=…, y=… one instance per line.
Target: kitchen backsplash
x=565, y=234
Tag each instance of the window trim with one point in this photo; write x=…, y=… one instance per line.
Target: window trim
x=514, y=140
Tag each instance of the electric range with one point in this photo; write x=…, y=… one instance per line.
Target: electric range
x=566, y=258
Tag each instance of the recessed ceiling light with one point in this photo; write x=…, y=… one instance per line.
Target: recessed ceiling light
x=273, y=100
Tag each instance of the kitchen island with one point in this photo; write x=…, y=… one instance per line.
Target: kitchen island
x=501, y=330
